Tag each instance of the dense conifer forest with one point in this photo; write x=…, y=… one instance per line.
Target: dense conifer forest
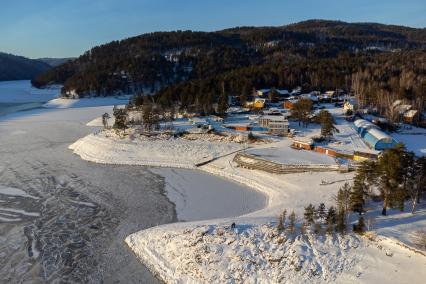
x=202, y=68
x=14, y=67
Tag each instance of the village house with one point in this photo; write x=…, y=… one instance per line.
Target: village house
x=412, y=117
x=350, y=104
x=307, y=144
x=406, y=112
x=310, y=96
x=276, y=124
x=258, y=103
x=330, y=94
x=289, y=104
x=296, y=91
x=283, y=93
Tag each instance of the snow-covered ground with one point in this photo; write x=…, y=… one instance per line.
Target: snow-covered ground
x=413, y=138
x=108, y=148
x=346, y=140
x=259, y=254
x=281, y=152
x=198, y=195
x=211, y=252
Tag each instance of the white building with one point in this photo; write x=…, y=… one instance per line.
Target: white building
x=263, y=92
x=276, y=124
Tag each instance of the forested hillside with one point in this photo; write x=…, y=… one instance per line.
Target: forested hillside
x=199, y=68
x=14, y=67
x=54, y=61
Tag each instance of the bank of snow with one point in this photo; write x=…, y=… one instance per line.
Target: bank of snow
x=108, y=148
x=87, y=102
x=252, y=253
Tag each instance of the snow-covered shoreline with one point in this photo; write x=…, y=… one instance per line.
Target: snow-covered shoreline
x=169, y=250
x=108, y=148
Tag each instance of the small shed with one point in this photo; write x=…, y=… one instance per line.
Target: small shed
x=302, y=144
x=412, y=116
x=362, y=155
x=289, y=104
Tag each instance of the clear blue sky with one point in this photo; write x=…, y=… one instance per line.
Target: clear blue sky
x=63, y=28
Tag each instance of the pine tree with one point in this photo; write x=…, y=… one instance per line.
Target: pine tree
x=147, y=116
x=327, y=124
x=390, y=171
x=341, y=222
x=360, y=227
x=222, y=105
x=330, y=227
x=105, y=118
x=331, y=215
x=322, y=214
x=120, y=116
x=331, y=220
x=292, y=222
x=309, y=214
x=343, y=198
x=357, y=193
x=280, y=226
x=418, y=184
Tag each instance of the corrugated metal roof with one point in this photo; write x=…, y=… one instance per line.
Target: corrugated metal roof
x=379, y=135
x=362, y=123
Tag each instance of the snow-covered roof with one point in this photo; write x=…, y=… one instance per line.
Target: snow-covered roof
x=410, y=113
x=396, y=103
x=283, y=92
x=198, y=120
x=379, y=135
x=362, y=123
x=263, y=91
x=274, y=117
x=293, y=101
x=402, y=108
x=309, y=96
